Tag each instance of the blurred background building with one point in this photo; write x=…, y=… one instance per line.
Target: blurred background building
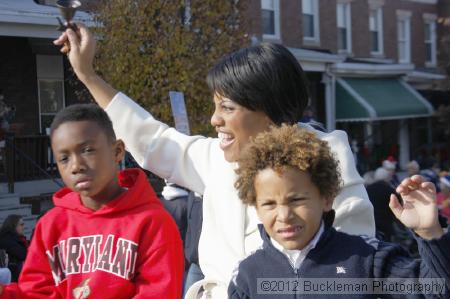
x=378, y=69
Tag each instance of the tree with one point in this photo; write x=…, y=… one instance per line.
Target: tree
x=147, y=48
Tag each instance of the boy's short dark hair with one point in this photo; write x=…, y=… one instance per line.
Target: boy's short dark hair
x=288, y=146
x=266, y=78
x=85, y=112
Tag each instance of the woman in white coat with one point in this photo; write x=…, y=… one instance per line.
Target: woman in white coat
x=254, y=88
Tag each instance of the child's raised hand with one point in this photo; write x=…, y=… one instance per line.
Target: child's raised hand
x=419, y=210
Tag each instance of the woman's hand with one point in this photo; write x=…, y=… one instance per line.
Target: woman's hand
x=80, y=49
x=419, y=210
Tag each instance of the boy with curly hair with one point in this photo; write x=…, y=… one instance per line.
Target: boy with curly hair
x=291, y=177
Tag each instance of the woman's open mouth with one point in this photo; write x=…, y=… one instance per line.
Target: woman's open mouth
x=225, y=140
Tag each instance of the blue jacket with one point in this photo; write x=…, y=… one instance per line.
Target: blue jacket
x=359, y=257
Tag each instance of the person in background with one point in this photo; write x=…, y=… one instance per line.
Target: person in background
x=174, y=200
x=5, y=273
x=429, y=171
x=14, y=242
x=388, y=228
x=379, y=192
x=186, y=209
x=7, y=113
x=413, y=168
x=194, y=229
x=391, y=165
x=443, y=197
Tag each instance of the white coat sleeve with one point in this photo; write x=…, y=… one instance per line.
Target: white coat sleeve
x=354, y=211
x=179, y=158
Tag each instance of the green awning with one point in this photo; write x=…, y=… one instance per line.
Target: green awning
x=362, y=99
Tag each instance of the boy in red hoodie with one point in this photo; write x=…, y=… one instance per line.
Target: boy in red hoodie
x=108, y=235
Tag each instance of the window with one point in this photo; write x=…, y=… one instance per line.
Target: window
x=344, y=27
x=430, y=40
x=50, y=79
x=310, y=17
x=51, y=100
x=270, y=18
x=376, y=30
x=404, y=36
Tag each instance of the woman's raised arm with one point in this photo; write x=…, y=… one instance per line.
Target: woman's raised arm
x=182, y=159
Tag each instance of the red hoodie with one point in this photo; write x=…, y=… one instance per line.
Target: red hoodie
x=130, y=248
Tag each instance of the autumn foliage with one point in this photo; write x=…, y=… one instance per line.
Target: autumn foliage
x=147, y=48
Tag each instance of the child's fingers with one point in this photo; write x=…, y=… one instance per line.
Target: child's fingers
x=395, y=206
x=405, y=182
x=418, y=179
x=409, y=184
x=404, y=187
x=429, y=186
x=400, y=189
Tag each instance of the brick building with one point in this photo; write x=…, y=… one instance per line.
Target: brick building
x=372, y=64
x=365, y=60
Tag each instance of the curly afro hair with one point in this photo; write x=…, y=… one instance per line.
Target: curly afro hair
x=288, y=146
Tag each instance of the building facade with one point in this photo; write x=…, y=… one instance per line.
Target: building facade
x=375, y=66
x=34, y=76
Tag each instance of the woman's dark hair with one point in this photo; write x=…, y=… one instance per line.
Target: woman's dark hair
x=266, y=78
x=10, y=224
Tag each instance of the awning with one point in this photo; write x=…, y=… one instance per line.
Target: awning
x=363, y=99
